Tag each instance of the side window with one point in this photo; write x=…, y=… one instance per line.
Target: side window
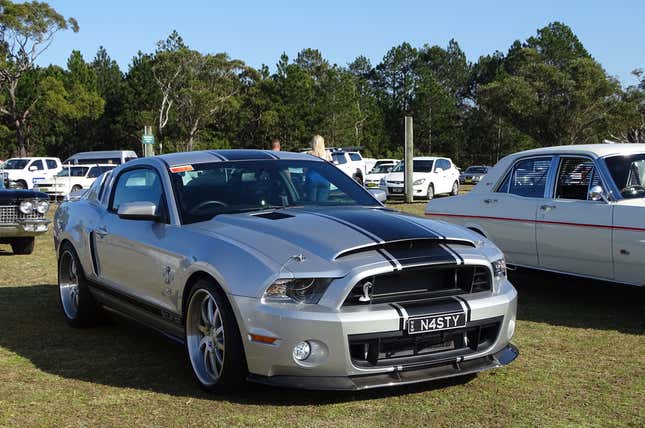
x=138, y=185
x=355, y=157
x=38, y=164
x=51, y=164
x=574, y=176
x=444, y=164
x=527, y=178
x=339, y=158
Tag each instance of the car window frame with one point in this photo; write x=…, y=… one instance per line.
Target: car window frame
x=559, y=160
x=548, y=185
x=165, y=210
x=33, y=162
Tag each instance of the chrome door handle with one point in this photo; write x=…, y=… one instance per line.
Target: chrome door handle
x=547, y=207
x=490, y=201
x=101, y=232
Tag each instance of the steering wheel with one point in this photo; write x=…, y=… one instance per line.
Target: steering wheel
x=632, y=189
x=205, y=204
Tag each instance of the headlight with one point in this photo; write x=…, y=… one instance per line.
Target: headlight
x=296, y=290
x=26, y=207
x=499, y=268
x=42, y=207
x=419, y=181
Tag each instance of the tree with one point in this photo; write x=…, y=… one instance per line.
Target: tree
x=26, y=31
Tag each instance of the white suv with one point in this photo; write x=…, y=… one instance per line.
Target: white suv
x=431, y=176
x=351, y=163
x=24, y=173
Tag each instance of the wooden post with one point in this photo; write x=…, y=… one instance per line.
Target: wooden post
x=408, y=156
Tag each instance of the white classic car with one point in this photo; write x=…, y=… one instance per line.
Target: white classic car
x=572, y=209
x=431, y=176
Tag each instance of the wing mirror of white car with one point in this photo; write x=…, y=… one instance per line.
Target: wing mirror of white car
x=438, y=170
x=33, y=168
x=140, y=210
x=596, y=193
x=378, y=194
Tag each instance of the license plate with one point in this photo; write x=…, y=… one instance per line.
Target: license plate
x=372, y=185
x=468, y=180
x=436, y=323
x=397, y=190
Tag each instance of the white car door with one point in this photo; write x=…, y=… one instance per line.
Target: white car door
x=629, y=242
x=573, y=233
x=441, y=177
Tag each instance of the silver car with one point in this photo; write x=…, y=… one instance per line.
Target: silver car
x=278, y=268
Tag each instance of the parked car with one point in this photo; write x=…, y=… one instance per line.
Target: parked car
x=473, y=174
x=278, y=268
x=431, y=176
x=22, y=217
x=25, y=173
x=114, y=157
x=382, y=161
x=73, y=179
x=351, y=163
x=573, y=209
x=377, y=173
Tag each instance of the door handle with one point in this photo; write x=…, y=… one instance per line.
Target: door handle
x=101, y=232
x=547, y=207
x=490, y=201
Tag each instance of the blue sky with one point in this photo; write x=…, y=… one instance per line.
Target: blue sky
x=259, y=31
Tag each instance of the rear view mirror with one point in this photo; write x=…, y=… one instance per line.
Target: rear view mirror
x=378, y=194
x=140, y=210
x=596, y=193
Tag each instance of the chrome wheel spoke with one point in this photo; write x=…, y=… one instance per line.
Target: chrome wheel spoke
x=211, y=310
x=205, y=337
x=202, y=329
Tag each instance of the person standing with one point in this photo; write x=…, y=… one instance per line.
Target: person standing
x=275, y=145
x=318, y=148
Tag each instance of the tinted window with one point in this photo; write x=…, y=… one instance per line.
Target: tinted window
x=527, y=178
x=16, y=164
x=417, y=166
x=574, y=176
x=94, y=161
x=98, y=170
x=38, y=164
x=443, y=164
x=355, y=157
x=51, y=164
x=73, y=171
x=477, y=170
x=338, y=158
x=234, y=187
x=137, y=185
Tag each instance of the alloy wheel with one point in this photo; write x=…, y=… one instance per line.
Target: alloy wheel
x=68, y=284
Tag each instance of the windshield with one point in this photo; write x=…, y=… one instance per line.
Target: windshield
x=477, y=170
x=16, y=164
x=417, y=166
x=382, y=169
x=234, y=187
x=628, y=172
x=74, y=171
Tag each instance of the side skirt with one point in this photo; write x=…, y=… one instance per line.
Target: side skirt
x=152, y=316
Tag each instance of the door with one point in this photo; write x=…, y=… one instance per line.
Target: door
x=38, y=172
x=133, y=255
x=574, y=234
x=441, y=178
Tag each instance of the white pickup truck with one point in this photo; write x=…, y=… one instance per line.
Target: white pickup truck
x=351, y=163
x=72, y=179
x=25, y=173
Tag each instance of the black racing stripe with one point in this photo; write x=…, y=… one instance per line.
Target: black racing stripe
x=408, y=256
x=388, y=258
x=409, y=218
x=454, y=253
x=241, y=154
x=437, y=307
x=468, y=310
x=344, y=223
x=387, y=226
x=398, y=310
x=217, y=155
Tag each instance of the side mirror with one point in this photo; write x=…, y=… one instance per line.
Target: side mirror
x=596, y=193
x=378, y=194
x=33, y=168
x=438, y=170
x=141, y=210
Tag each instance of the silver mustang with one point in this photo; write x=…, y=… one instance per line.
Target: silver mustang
x=278, y=268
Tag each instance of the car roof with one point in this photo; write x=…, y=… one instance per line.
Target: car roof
x=426, y=158
x=207, y=156
x=594, y=150
x=103, y=153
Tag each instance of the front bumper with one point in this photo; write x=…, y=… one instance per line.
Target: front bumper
x=398, y=191
x=24, y=228
x=330, y=330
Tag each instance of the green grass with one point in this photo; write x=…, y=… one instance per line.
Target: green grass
x=582, y=362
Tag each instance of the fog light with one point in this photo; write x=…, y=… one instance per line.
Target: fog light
x=511, y=327
x=302, y=351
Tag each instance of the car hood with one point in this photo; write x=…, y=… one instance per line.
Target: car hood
x=13, y=195
x=399, y=176
x=328, y=236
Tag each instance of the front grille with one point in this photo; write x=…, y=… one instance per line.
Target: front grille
x=421, y=283
x=399, y=348
x=9, y=214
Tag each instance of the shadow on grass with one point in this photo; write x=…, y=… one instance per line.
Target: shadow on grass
x=123, y=354
x=563, y=300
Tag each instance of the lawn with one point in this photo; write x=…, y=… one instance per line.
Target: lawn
x=582, y=362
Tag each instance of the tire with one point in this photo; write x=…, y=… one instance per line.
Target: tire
x=455, y=189
x=22, y=245
x=76, y=302
x=430, y=193
x=76, y=188
x=213, y=342
x=20, y=184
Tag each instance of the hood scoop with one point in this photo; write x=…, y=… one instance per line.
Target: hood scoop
x=273, y=215
x=410, y=247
